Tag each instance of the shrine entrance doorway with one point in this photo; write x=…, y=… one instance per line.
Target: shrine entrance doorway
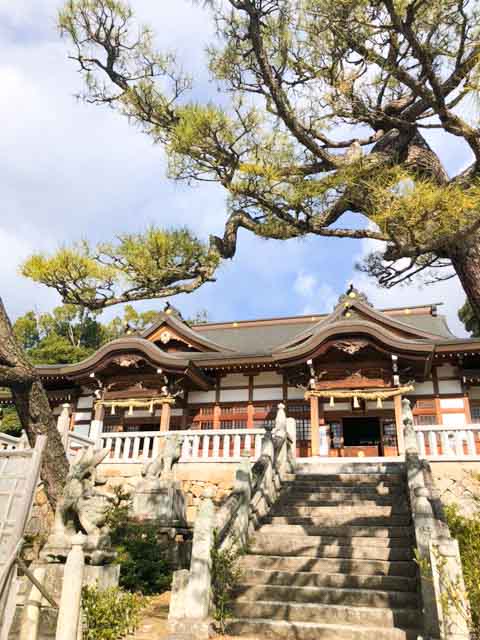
x=362, y=436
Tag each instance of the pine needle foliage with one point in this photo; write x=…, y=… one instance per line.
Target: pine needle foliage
x=296, y=76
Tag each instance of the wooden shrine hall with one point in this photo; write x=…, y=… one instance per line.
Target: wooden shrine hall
x=341, y=376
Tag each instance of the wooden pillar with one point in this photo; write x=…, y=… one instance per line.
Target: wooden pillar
x=216, y=416
x=466, y=402
x=399, y=422
x=314, y=422
x=99, y=412
x=216, y=409
x=250, y=408
x=250, y=415
x=166, y=414
x=468, y=413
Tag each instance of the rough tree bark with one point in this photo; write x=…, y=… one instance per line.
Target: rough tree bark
x=17, y=374
x=466, y=262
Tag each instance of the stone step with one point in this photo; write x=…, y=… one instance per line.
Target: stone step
x=342, y=531
x=350, y=467
x=326, y=595
x=282, y=630
x=350, y=478
x=307, y=534
x=333, y=580
x=330, y=509
x=339, y=518
x=338, y=498
x=268, y=545
x=327, y=613
x=351, y=566
x=343, y=491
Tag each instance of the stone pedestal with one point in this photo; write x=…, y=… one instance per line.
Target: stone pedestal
x=103, y=576
x=159, y=500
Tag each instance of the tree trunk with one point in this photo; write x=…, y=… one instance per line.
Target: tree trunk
x=466, y=262
x=33, y=407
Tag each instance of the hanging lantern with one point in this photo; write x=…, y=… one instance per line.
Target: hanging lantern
x=356, y=404
x=130, y=410
x=332, y=401
x=112, y=410
x=379, y=403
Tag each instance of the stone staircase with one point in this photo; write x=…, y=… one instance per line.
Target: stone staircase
x=333, y=560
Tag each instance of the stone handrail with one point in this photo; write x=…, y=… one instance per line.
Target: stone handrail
x=10, y=443
x=255, y=490
x=440, y=442
x=437, y=552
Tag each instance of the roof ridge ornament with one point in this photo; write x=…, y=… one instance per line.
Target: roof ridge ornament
x=170, y=310
x=352, y=294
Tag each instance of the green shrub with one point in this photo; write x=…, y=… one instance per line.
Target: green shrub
x=467, y=532
x=225, y=578
x=143, y=565
x=109, y=614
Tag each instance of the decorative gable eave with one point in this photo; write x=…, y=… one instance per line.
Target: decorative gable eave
x=181, y=330
x=124, y=350
x=348, y=306
x=418, y=348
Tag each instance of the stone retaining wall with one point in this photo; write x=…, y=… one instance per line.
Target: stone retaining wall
x=458, y=483
x=194, y=477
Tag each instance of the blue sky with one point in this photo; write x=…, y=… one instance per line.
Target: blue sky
x=71, y=171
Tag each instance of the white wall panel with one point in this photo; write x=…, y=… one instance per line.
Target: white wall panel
x=233, y=395
x=267, y=377
x=339, y=406
x=201, y=396
x=234, y=380
x=82, y=415
x=294, y=393
x=423, y=388
x=275, y=393
x=453, y=419
x=451, y=403
x=449, y=386
x=447, y=371
x=85, y=402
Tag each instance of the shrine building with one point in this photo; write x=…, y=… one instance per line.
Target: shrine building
x=341, y=377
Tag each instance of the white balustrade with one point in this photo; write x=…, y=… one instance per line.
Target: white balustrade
x=449, y=442
x=212, y=445
x=75, y=442
x=10, y=442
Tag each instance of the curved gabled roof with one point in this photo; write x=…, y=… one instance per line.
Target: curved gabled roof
x=182, y=329
x=365, y=310
x=175, y=363
x=351, y=328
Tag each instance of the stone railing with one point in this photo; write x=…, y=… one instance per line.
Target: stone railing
x=10, y=443
x=440, y=442
x=75, y=442
x=213, y=445
x=256, y=489
x=445, y=604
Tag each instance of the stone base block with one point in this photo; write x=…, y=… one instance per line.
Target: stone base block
x=159, y=500
x=186, y=629
x=102, y=576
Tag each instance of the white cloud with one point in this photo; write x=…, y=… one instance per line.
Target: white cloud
x=449, y=292
x=305, y=284
x=320, y=298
